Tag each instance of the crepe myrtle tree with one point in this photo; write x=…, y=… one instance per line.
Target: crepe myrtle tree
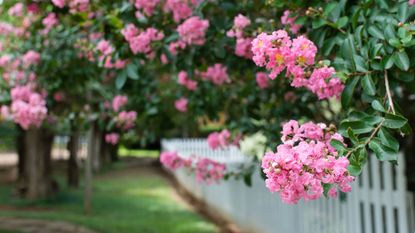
x=44, y=82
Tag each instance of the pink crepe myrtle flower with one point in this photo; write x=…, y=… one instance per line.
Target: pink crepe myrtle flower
x=181, y=104
x=325, y=84
x=16, y=10
x=59, y=3
x=147, y=6
x=171, y=160
x=126, y=120
x=30, y=58
x=105, y=47
x=5, y=112
x=277, y=52
x=305, y=162
x=164, y=60
x=175, y=46
x=262, y=80
x=239, y=23
x=112, y=138
x=50, y=20
x=181, y=9
x=192, y=31
x=217, y=74
x=411, y=2
x=288, y=21
x=140, y=42
x=243, y=47
x=118, y=102
x=209, y=171
x=76, y=6
x=33, y=8
x=184, y=80
x=221, y=139
x=28, y=108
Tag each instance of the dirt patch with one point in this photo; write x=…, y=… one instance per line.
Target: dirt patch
x=40, y=226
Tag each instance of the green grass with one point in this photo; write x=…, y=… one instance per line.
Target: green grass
x=122, y=151
x=135, y=201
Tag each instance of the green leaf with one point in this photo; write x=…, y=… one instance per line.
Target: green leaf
x=394, y=121
x=342, y=21
x=121, y=79
x=387, y=139
x=348, y=91
x=382, y=152
x=354, y=169
x=352, y=136
x=338, y=145
x=368, y=85
x=376, y=32
x=401, y=60
x=360, y=63
x=358, y=127
x=132, y=71
x=403, y=11
x=378, y=106
x=248, y=180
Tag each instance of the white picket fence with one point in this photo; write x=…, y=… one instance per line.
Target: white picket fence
x=379, y=202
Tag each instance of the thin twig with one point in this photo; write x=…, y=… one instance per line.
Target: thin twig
x=369, y=139
x=388, y=93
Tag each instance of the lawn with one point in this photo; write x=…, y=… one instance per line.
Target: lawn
x=132, y=200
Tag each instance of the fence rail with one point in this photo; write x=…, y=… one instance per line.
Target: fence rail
x=379, y=202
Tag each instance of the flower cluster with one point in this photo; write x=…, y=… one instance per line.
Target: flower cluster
x=192, y=31
x=262, y=80
x=50, y=21
x=243, y=44
x=28, y=108
x=181, y=9
x=277, y=52
x=181, y=104
x=140, y=42
x=306, y=162
x=112, y=138
x=126, y=120
x=147, y=6
x=171, y=160
x=288, y=21
x=219, y=139
x=183, y=79
x=209, y=171
x=205, y=169
x=217, y=74
x=30, y=58
x=75, y=6
x=118, y=102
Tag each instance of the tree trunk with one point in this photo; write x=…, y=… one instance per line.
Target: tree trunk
x=88, y=172
x=73, y=166
x=96, y=143
x=37, y=164
x=114, y=153
x=20, y=148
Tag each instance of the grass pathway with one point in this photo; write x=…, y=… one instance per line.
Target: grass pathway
x=137, y=199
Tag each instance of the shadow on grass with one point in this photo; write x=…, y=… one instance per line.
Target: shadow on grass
x=135, y=201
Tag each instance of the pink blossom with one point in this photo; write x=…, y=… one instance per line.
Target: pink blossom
x=171, y=160
x=28, y=107
x=76, y=6
x=16, y=10
x=147, y=6
x=118, y=102
x=112, y=138
x=243, y=47
x=192, y=31
x=325, y=84
x=174, y=46
x=286, y=20
x=184, y=80
x=209, y=171
x=181, y=104
x=141, y=42
x=105, y=47
x=33, y=8
x=126, y=120
x=239, y=23
x=181, y=9
x=411, y=2
x=304, y=163
x=50, y=20
x=217, y=74
x=219, y=139
x=59, y=3
x=30, y=58
x=163, y=58
x=262, y=80
x=59, y=96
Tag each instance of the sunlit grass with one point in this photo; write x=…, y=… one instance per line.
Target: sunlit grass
x=122, y=151
x=123, y=202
